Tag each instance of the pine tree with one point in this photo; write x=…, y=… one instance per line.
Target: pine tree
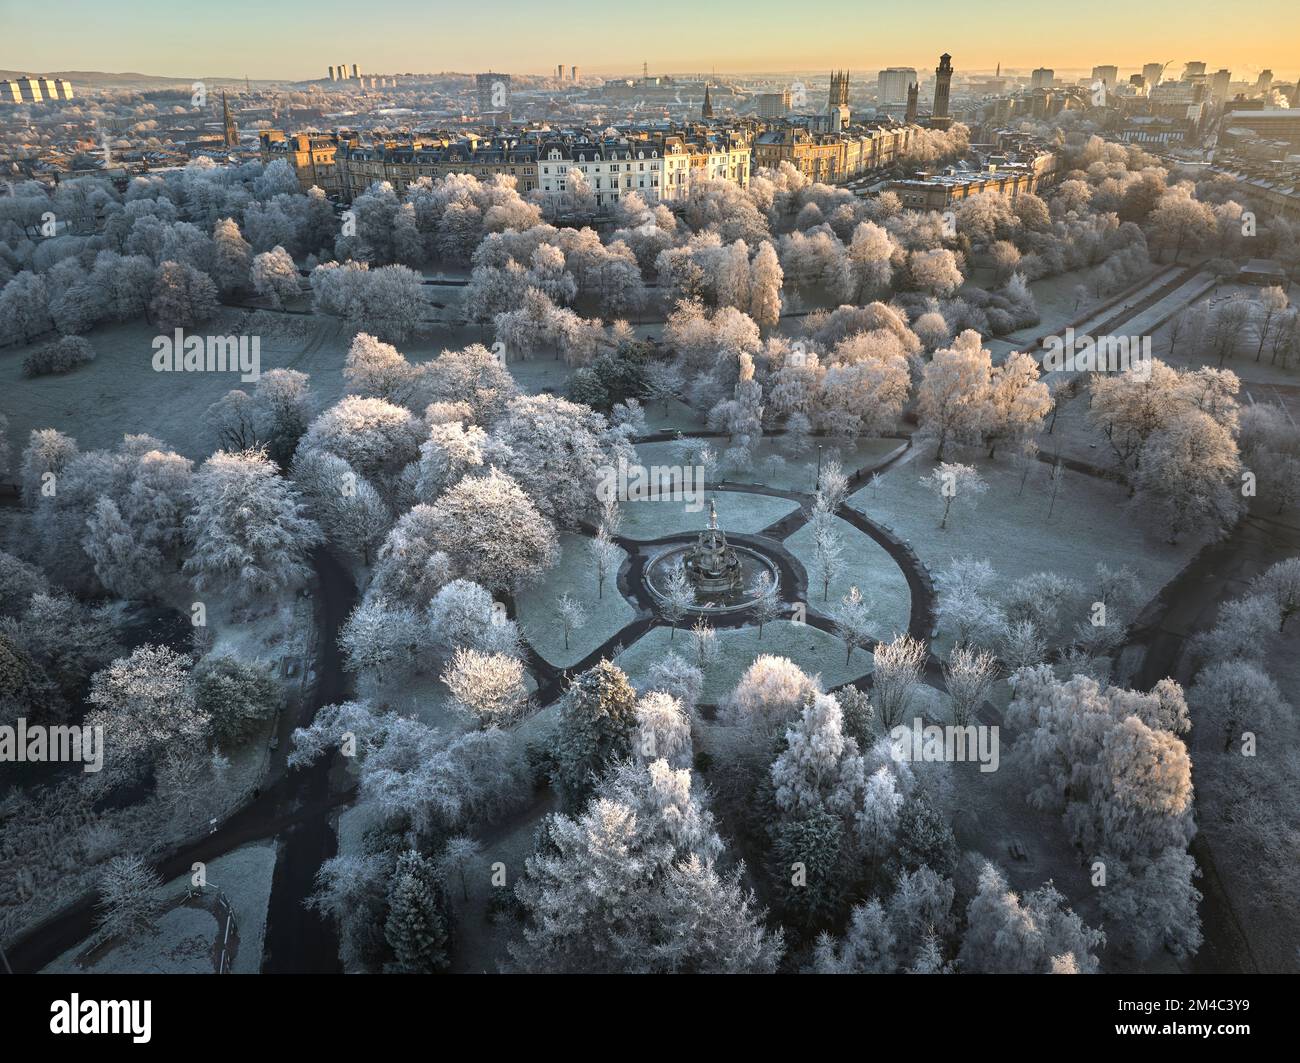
x=597, y=719
x=417, y=929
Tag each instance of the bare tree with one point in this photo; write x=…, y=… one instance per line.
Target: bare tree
x=968, y=675
x=897, y=671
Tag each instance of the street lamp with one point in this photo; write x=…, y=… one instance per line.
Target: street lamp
x=819, y=467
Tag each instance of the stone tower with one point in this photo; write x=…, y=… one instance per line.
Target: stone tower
x=913, y=100
x=939, y=117
x=230, y=135
x=839, y=94
x=707, y=110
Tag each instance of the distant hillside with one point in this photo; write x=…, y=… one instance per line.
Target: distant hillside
x=103, y=78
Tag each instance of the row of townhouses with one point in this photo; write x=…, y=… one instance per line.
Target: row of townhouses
x=660, y=167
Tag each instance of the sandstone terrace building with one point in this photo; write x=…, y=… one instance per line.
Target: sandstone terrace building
x=659, y=166
x=833, y=156
x=1004, y=175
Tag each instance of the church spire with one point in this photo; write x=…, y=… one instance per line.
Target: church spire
x=707, y=110
x=230, y=134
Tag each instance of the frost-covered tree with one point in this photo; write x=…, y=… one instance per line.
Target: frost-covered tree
x=571, y=614
x=1189, y=476
x=631, y=885
x=376, y=437
x=953, y=482
x=935, y=271
x=674, y=675
x=820, y=767
x=898, y=665
x=488, y=687
x=1007, y=934
x=597, y=722
x=146, y=703
x=18, y=582
x=867, y=947
x=663, y=731
x=679, y=596
x=1017, y=403
x=606, y=555
x=450, y=452
x=232, y=256
x=182, y=297
x=766, y=601
x=459, y=859
x=425, y=782
x=24, y=307
x=771, y=692
x=410, y=566
x=556, y=450
x=704, y=643
x=828, y=551
x=490, y=530
x=123, y=565
x=1180, y=222
x=284, y=405
x=247, y=529
x=765, y=282
x=47, y=454
x=968, y=676
x=1244, y=628
x=391, y=303
x=876, y=820
x=967, y=610
x=417, y=928
x=853, y=622
x=1112, y=762
x=376, y=369
x=1281, y=583
x=130, y=899
x=353, y=517
x=380, y=634
x=871, y=252
x=1151, y=904
x=952, y=398
x=275, y=275
x=463, y=615
x=475, y=376
x=237, y=698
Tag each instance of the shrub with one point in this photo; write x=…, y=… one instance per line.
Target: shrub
x=60, y=356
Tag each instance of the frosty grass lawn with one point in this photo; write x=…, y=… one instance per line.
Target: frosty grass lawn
x=1092, y=522
x=867, y=566
x=737, y=512
x=813, y=650
x=573, y=575
x=792, y=473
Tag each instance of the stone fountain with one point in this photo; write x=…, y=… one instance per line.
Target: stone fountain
x=711, y=564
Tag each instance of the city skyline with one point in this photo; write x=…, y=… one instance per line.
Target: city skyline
x=297, y=40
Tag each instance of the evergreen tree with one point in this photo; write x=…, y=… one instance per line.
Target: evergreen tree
x=417, y=929
x=597, y=719
x=805, y=867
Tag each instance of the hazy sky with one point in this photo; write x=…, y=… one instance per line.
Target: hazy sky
x=299, y=38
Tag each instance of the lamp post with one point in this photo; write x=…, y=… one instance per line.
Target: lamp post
x=819, y=467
